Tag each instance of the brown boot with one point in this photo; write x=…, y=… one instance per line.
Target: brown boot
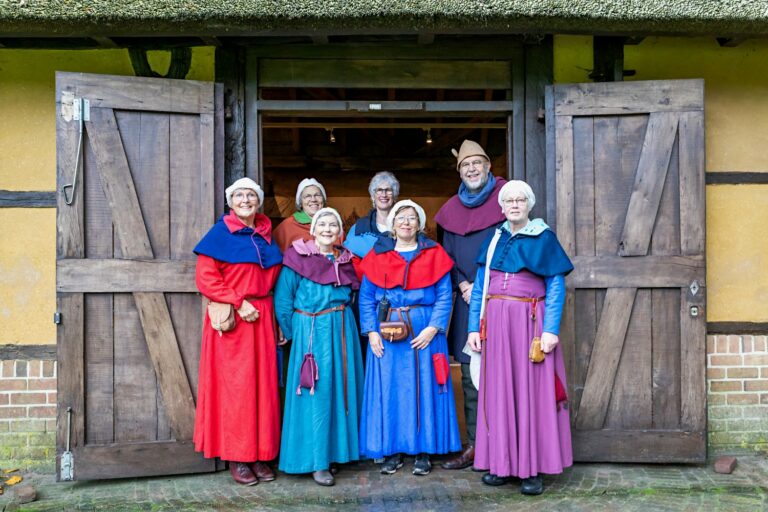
x=262, y=471
x=242, y=473
x=464, y=460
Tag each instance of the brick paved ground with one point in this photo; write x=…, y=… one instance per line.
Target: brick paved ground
x=585, y=487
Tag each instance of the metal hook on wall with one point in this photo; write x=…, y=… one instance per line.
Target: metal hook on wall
x=81, y=114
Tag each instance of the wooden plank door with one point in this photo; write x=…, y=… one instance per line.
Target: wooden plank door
x=129, y=336
x=627, y=161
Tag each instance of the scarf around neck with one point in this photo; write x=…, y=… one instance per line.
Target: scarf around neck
x=471, y=200
x=302, y=218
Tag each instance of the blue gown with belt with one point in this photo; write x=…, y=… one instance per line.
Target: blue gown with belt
x=404, y=409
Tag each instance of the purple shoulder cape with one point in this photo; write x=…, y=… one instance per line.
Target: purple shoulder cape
x=303, y=258
x=458, y=219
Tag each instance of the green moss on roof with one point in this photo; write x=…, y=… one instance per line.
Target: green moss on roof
x=262, y=17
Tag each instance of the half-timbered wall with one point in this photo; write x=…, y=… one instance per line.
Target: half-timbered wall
x=736, y=81
x=736, y=119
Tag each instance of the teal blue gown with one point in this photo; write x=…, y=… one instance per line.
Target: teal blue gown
x=316, y=428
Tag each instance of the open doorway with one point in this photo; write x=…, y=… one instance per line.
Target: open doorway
x=347, y=135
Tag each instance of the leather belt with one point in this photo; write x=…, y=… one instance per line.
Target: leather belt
x=343, y=341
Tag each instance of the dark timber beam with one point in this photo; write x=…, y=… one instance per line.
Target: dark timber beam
x=211, y=41
x=608, y=59
x=27, y=199
x=730, y=42
x=230, y=70
x=105, y=42
x=426, y=38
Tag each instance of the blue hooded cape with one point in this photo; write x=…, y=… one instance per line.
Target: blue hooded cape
x=243, y=246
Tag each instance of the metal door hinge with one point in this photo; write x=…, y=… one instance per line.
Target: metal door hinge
x=57, y=317
x=73, y=108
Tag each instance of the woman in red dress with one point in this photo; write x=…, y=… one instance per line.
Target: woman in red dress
x=238, y=417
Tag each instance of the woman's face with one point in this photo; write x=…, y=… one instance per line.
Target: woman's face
x=383, y=197
x=311, y=200
x=516, y=208
x=406, y=224
x=327, y=230
x=245, y=202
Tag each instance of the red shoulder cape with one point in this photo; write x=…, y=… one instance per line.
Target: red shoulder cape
x=426, y=269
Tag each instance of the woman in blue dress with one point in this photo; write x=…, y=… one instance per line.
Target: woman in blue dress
x=322, y=402
x=408, y=405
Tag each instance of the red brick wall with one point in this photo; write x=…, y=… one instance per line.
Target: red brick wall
x=27, y=409
x=737, y=381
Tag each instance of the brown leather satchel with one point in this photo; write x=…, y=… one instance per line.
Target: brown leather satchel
x=394, y=330
x=222, y=316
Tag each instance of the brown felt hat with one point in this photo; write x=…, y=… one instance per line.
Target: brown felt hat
x=468, y=148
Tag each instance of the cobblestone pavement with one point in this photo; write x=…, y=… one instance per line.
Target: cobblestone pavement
x=587, y=487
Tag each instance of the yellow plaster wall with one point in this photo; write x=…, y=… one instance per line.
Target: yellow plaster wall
x=27, y=275
x=28, y=162
x=736, y=116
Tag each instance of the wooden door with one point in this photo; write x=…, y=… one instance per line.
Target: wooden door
x=628, y=171
x=129, y=332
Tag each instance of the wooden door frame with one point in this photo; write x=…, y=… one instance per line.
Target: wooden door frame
x=531, y=70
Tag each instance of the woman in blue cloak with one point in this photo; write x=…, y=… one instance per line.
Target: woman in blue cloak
x=408, y=405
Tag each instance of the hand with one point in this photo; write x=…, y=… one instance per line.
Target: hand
x=548, y=342
x=424, y=338
x=280, y=337
x=466, y=291
x=475, y=343
x=247, y=312
x=377, y=347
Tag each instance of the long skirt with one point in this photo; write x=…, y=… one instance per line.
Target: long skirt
x=320, y=427
x=238, y=416
x=404, y=409
x=521, y=430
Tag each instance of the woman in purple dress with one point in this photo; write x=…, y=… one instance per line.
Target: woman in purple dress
x=523, y=427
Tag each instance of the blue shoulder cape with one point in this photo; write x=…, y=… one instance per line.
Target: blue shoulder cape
x=243, y=246
x=536, y=250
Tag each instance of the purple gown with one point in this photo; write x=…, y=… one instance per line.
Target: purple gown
x=521, y=431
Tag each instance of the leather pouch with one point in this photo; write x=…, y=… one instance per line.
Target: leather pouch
x=394, y=330
x=222, y=316
x=535, y=354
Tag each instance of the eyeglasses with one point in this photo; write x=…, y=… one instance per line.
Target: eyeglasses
x=402, y=219
x=384, y=191
x=510, y=202
x=249, y=195
x=473, y=163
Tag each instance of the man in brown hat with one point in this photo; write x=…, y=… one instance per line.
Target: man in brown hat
x=467, y=219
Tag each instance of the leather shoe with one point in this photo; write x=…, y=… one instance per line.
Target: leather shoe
x=324, y=478
x=242, y=474
x=262, y=471
x=491, y=479
x=463, y=460
x=532, y=486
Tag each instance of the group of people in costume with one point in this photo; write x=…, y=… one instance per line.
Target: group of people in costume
x=372, y=320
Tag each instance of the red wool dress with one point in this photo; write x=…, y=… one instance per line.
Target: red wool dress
x=238, y=417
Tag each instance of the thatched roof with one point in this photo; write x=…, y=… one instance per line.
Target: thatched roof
x=39, y=18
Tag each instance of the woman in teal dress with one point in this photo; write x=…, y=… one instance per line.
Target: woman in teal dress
x=322, y=407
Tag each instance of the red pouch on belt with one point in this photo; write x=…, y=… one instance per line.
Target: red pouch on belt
x=442, y=370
